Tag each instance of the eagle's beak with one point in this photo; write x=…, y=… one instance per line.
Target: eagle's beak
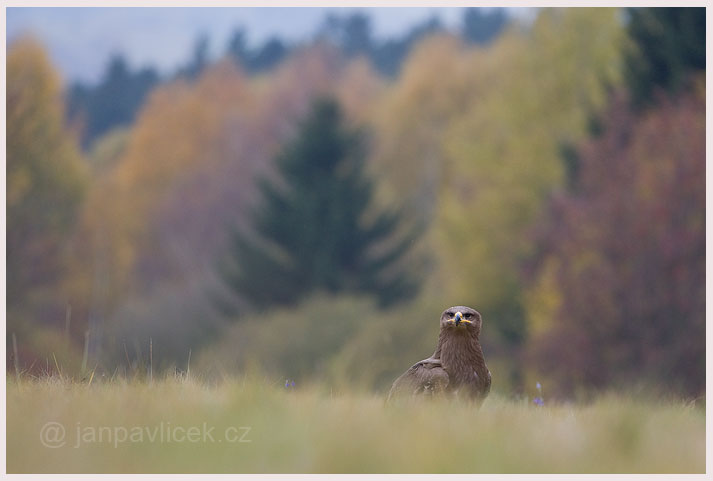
x=458, y=318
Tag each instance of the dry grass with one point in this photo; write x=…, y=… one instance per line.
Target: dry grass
x=309, y=429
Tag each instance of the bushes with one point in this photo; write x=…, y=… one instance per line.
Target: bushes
x=345, y=341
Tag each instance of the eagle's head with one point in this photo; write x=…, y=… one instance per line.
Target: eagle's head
x=461, y=319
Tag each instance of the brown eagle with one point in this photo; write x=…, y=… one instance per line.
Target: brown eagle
x=457, y=367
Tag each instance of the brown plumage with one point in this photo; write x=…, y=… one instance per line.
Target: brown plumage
x=456, y=367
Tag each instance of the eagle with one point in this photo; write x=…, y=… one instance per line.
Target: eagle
x=457, y=367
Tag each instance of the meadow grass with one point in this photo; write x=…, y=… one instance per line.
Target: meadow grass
x=249, y=425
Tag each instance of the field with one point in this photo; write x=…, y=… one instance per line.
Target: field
x=251, y=426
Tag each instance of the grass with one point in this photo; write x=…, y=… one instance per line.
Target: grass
x=108, y=428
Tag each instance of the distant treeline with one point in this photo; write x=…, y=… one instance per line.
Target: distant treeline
x=118, y=96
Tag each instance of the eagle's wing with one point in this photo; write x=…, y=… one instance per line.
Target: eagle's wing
x=424, y=377
x=488, y=382
x=480, y=388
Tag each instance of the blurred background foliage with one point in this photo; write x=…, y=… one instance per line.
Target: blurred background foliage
x=554, y=171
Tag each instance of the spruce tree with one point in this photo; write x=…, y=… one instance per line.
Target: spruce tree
x=669, y=44
x=315, y=229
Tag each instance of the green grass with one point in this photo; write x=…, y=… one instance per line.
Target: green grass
x=309, y=429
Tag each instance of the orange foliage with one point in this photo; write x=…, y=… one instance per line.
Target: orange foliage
x=189, y=168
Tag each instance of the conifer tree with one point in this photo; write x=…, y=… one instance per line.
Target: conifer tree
x=669, y=46
x=314, y=228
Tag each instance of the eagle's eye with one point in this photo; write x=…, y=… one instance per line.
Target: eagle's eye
x=467, y=315
x=450, y=314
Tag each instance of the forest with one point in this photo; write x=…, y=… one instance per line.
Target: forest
x=306, y=211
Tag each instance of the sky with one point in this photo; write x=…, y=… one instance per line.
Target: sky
x=80, y=40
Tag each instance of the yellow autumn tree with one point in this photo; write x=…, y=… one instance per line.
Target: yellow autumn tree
x=46, y=181
x=532, y=94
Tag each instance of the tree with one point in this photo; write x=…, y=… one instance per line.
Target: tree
x=619, y=291
x=237, y=48
x=315, y=229
x=351, y=33
x=45, y=174
x=617, y=288
x=669, y=44
x=262, y=59
x=113, y=102
x=269, y=55
x=388, y=56
x=482, y=27
x=46, y=183
x=199, y=59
